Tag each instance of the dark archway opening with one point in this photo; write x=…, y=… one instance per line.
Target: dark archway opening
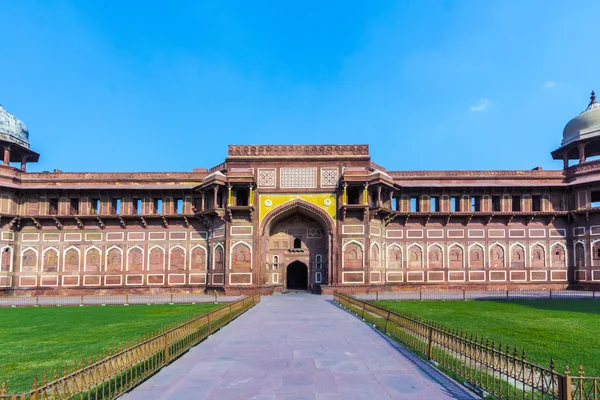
x=297, y=243
x=297, y=276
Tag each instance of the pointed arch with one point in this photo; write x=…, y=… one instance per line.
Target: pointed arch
x=558, y=255
x=297, y=206
x=135, y=259
x=476, y=256
x=238, y=258
x=435, y=256
x=395, y=256
x=50, y=259
x=497, y=255
x=595, y=251
x=218, y=257
x=177, y=257
x=114, y=259
x=6, y=264
x=537, y=255
x=375, y=255
x=156, y=258
x=93, y=261
x=29, y=259
x=517, y=255
x=71, y=259
x=579, y=255
x=354, y=256
x=415, y=258
x=198, y=258
x=456, y=256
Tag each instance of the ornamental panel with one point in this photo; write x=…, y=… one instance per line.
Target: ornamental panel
x=266, y=177
x=329, y=177
x=298, y=178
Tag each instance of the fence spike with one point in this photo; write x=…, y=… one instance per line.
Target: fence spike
x=3, y=389
x=45, y=382
x=65, y=371
x=523, y=356
x=552, y=365
x=74, y=365
x=34, y=386
x=90, y=360
x=515, y=352
x=580, y=369
x=567, y=370
x=55, y=377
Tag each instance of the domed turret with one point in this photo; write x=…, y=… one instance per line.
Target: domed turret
x=14, y=139
x=585, y=125
x=13, y=129
x=581, y=136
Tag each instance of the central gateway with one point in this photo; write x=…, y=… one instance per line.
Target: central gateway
x=297, y=250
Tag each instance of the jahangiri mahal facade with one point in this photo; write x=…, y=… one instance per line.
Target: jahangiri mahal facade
x=308, y=217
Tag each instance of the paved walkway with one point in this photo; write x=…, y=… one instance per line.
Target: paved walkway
x=298, y=346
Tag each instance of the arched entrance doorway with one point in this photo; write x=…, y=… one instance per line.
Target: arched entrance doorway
x=297, y=231
x=296, y=276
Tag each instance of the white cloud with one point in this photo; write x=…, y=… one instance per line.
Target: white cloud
x=482, y=105
x=549, y=84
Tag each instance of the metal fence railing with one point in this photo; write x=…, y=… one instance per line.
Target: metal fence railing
x=111, y=375
x=500, y=371
x=98, y=300
x=479, y=295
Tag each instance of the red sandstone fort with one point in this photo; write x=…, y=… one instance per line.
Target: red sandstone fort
x=315, y=217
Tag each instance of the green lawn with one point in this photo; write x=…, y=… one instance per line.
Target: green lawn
x=38, y=340
x=566, y=330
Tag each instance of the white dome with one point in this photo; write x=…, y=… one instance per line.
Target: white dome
x=585, y=125
x=12, y=129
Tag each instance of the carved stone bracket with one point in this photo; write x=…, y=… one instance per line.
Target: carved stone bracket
x=165, y=222
x=468, y=219
x=388, y=220
x=100, y=223
x=57, y=223
x=122, y=222
x=36, y=223
x=186, y=222
x=12, y=223
x=79, y=223
x=144, y=223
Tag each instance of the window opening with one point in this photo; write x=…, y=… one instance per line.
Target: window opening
x=496, y=203
x=536, y=203
x=179, y=206
x=414, y=204
x=516, y=203
x=297, y=243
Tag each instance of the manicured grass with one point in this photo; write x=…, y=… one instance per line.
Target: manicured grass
x=38, y=340
x=566, y=330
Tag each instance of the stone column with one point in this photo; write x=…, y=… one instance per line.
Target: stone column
x=202, y=200
x=565, y=160
x=366, y=194
x=215, y=191
x=228, y=195
x=378, y=195
x=345, y=194
x=581, y=148
x=251, y=195
x=6, y=155
x=24, y=163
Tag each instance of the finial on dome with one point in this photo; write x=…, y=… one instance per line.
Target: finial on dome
x=593, y=98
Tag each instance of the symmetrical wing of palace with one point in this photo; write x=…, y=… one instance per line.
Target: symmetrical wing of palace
x=308, y=217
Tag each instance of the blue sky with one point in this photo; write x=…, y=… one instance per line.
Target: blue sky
x=153, y=86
